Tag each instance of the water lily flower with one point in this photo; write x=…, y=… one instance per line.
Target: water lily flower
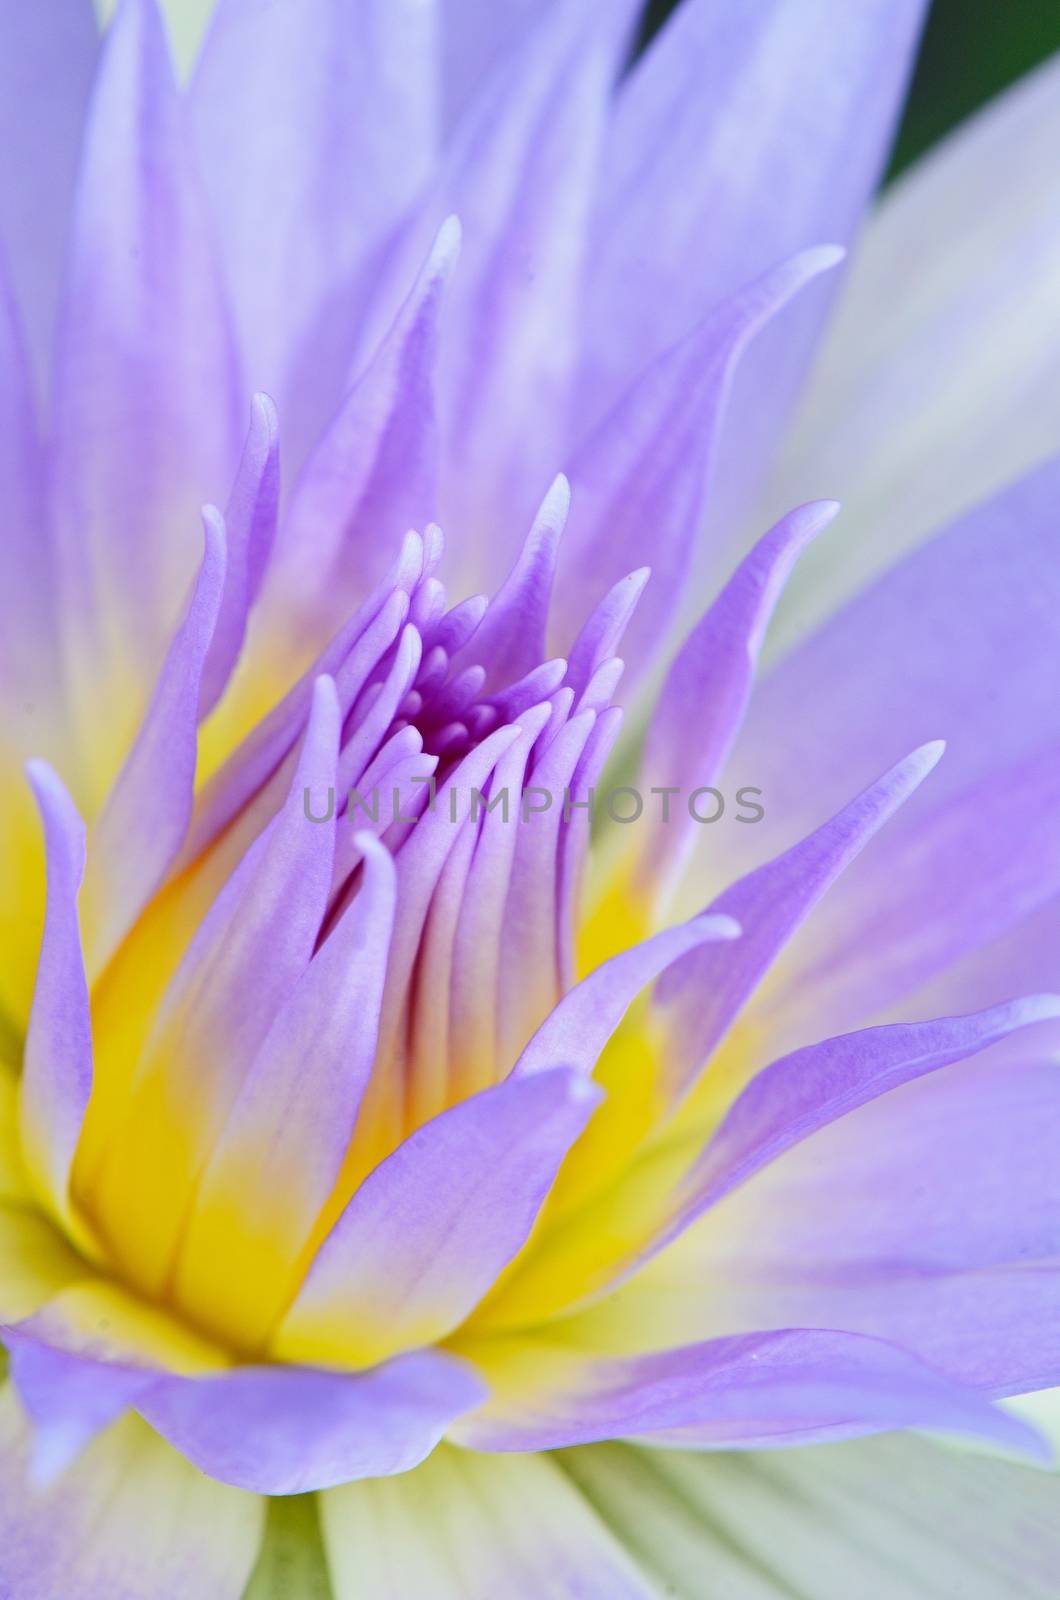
x=450, y=1147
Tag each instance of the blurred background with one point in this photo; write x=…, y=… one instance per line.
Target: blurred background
x=971, y=49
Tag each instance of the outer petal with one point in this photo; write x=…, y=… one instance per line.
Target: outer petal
x=316, y=126
x=709, y=684
x=474, y=34
x=131, y=1518
x=700, y=997
x=27, y=624
x=632, y=1215
x=890, y=1517
x=466, y=1526
x=47, y=56
x=145, y=411
x=793, y=105
x=791, y=1099
x=285, y=1430
x=648, y=464
x=869, y=1226
x=522, y=175
x=956, y=903
x=429, y=1230
x=960, y=642
x=792, y=1386
x=146, y=815
x=927, y=402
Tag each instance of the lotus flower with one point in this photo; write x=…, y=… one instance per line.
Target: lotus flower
x=450, y=1148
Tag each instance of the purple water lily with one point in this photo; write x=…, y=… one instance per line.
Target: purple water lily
x=449, y=1145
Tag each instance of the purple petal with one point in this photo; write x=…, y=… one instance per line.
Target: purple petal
x=146, y=418
x=253, y=946
x=428, y=1232
x=283, y=1145
x=927, y=1217
x=68, y=1400
x=530, y=975
x=510, y=641
x=250, y=520
x=316, y=127
x=972, y=618
x=477, y=952
x=522, y=176
x=709, y=685
x=28, y=639
x=796, y=1096
x=880, y=424
x=700, y=997
x=372, y=475
x=57, y=1073
x=475, y=35
x=47, y=58
x=118, y=1523
x=792, y=1386
x=290, y=1430
x=962, y=875
x=755, y=98
x=648, y=464
x=142, y=826
x=579, y=1027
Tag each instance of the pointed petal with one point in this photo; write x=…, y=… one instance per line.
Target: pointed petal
x=648, y=464
x=750, y=1389
x=699, y=998
x=510, y=641
x=250, y=521
x=577, y=1030
x=805, y=1091
x=971, y=618
x=709, y=686
x=867, y=1226
x=57, y=1075
x=145, y=421
x=283, y=1145
x=428, y=1231
x=142, y=826
x=967, y=873
x=372, y=475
